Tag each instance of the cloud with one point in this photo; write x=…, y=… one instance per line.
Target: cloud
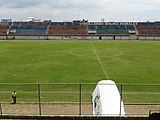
x=76, y=4
x=19, y=3
x=52, y=3
x=93, y=10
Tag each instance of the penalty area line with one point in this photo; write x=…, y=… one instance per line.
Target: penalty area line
x=99, y=61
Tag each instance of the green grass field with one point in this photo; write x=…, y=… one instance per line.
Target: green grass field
x=134, y=62
x=76, y=62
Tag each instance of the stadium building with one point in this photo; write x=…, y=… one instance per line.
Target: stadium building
x=79, y=29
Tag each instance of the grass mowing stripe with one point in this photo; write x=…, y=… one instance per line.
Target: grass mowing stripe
x=99, y=60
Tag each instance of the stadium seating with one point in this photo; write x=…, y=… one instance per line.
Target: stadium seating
x=111, y=29
x=148, y=29
x=67, y=29
x=36, y=28
x=4, y=29
x=80, y=27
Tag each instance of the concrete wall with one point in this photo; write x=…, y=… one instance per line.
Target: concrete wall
x=41, y=37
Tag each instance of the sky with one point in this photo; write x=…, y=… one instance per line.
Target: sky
x=92, y=10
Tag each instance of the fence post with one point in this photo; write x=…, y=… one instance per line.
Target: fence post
x=80, y=98
x=0, y=108
x=120, y=100
x=39, y=99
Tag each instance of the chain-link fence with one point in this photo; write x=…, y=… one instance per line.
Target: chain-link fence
x=73, y=99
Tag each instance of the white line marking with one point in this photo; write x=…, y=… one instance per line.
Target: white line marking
x=99, y=60
x=73, y=52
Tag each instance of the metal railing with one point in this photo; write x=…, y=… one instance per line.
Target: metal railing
x=73, y=99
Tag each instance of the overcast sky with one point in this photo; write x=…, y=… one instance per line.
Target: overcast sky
x=93, y=10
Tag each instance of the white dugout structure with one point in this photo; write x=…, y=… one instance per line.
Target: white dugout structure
x=106, y=100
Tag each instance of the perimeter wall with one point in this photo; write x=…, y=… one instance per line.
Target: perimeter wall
x=79, y=37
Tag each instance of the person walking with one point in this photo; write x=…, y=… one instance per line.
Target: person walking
x=14, y=97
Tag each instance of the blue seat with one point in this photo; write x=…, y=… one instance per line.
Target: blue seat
x=29, y=28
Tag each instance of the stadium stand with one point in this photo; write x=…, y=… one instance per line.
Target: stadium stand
x=68, y=29
x=80, y=27
x=148, y=29
x=28, y=28
x=110, y=29
x=4, y=29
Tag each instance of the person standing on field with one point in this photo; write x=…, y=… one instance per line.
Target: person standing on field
x=14, y=97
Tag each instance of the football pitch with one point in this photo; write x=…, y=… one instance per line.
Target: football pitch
x=29, y=61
